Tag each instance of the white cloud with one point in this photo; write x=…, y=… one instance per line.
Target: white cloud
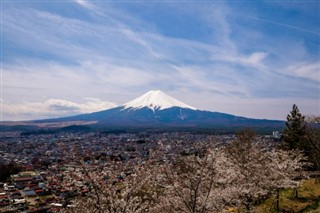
x=52, y=108
x=257, y=58
x=85, y=4
x=306, y=70
x=254, y=60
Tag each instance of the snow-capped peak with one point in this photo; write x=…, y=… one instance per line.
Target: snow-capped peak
x=156, y=99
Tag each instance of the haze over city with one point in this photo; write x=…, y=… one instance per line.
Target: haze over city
x=252, y=59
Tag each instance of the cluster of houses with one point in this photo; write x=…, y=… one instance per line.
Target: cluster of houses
x=25, y=191
x=50, y=191
x=31, y=191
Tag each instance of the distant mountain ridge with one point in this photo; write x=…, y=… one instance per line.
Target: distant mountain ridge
x=155, y=109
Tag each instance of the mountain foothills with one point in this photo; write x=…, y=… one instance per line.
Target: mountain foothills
x=157, y=110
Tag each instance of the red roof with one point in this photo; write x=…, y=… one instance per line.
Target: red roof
x=23, y=179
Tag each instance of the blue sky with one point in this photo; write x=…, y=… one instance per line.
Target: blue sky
x=248, y=58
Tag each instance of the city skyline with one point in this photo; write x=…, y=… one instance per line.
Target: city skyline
x=252, y=59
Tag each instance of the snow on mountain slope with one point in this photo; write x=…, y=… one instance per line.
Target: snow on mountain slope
x=156, y=100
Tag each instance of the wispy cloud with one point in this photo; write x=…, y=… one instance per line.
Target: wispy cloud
x=85, y=4
x=116, y=50
x=281, y=24
x=306, y=70
x=52, y=108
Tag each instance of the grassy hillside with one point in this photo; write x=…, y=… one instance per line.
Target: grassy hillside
x=308, y=199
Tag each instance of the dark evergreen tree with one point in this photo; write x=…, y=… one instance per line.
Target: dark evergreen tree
x=8, y=169
x=296, y=130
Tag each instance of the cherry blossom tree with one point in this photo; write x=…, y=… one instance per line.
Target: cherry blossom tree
x=262, y=170
x=117, y=189
x=286, y=171
x=196, y=184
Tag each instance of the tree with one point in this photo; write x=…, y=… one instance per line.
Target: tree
x=117, y=189
x=251, y=163
x=313, y=140
x=198, y=184
x=286, y=171
x=295, y=131
x=304, y=134
x=8, y=169
x=262, y=170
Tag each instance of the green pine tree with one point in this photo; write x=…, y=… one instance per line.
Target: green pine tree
x=296, y=130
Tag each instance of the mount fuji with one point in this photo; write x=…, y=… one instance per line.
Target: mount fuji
x=156, y=100
x=155, y=109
